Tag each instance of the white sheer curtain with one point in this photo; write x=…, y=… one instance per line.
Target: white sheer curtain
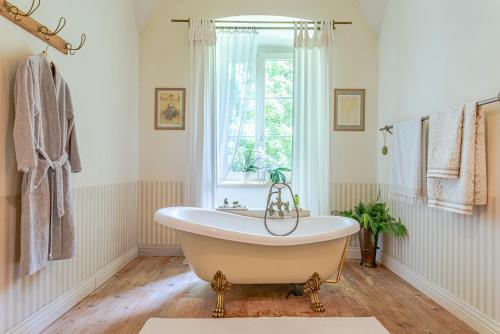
x=236, y=71
x=311, y=122
x=201, y=169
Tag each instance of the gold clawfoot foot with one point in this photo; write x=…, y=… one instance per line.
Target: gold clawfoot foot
x=312, y=287
x=220, y=285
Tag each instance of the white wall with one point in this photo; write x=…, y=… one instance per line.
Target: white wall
x=103, y=78
x=433, y=55
x=164, y=63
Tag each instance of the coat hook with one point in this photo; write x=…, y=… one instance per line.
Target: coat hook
x=70, y=48
x=46, y=32
x=14, y=10
x=387, y=128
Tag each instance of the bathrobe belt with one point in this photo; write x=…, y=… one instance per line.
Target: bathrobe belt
x=41, y=172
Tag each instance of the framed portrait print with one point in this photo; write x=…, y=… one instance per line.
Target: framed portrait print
x=349, y=110
x=170, y=108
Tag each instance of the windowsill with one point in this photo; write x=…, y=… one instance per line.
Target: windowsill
x=243, y=184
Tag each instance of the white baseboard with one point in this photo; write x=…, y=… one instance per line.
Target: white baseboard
x=460, y=309
x=41, y=319
x=160, y=250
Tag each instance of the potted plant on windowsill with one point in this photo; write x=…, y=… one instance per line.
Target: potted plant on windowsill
x=277, y=175
x=249, y=165
x=374, y=219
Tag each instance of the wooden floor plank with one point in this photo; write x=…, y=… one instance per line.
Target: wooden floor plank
x=165, y=287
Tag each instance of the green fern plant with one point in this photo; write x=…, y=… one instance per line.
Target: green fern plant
x=375, y=217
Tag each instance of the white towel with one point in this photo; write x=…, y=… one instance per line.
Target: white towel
x=445, y=141
x=407, y=162
x=470, y=188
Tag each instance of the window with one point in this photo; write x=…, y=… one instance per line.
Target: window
x=266, y=129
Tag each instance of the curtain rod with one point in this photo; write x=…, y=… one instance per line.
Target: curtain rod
x=262, y=22
x=388, y=128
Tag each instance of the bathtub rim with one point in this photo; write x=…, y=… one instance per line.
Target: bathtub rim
x=162, y=217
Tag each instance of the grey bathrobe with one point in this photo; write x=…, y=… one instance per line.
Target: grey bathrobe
x=46, y=152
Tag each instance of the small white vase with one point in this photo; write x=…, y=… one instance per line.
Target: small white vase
x=246, y=177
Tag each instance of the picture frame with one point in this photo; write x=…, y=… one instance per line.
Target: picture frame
x=349, y=109
x=170, y=109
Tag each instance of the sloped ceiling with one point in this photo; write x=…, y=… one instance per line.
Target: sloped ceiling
x=143, y=11
x=372, y=10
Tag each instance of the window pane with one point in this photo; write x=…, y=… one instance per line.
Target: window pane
x=278, y=117
x=246, y=119
x=246, y=145
x=278, y=112
x=245, y=80
x=279, y=150
x=279, y=77
x=265, y=122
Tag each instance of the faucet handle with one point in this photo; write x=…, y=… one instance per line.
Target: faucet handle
x=270, y=209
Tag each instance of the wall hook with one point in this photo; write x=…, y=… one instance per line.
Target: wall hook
x=387, y=128
x=46, y=32
x=14, y=10
x=70, y=48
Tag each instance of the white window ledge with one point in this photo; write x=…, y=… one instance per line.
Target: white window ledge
x=243, y=184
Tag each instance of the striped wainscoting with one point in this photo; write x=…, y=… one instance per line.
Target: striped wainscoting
x=155, y=239
x=452, y=258
x=345, y=197
x=107, y=237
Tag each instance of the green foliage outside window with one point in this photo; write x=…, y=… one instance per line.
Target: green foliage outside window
x=273, y=147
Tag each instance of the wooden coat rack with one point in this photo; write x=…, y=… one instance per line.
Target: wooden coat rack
x=25, y=21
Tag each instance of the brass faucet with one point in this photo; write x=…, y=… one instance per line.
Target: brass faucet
x=279, y=204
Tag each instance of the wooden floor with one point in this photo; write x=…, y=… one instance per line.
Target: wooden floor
x=165, y=287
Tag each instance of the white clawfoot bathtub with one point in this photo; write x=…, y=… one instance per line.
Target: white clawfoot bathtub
x=246, y=253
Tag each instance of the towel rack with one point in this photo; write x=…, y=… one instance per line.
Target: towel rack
x=388, y=128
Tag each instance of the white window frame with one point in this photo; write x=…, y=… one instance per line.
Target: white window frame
x=235, y=178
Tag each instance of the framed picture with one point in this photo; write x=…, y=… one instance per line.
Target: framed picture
x=170, y=112
x=349, y=110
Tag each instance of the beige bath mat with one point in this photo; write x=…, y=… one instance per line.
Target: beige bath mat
x=317, y=325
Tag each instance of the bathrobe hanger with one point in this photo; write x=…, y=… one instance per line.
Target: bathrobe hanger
x=45, y=53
